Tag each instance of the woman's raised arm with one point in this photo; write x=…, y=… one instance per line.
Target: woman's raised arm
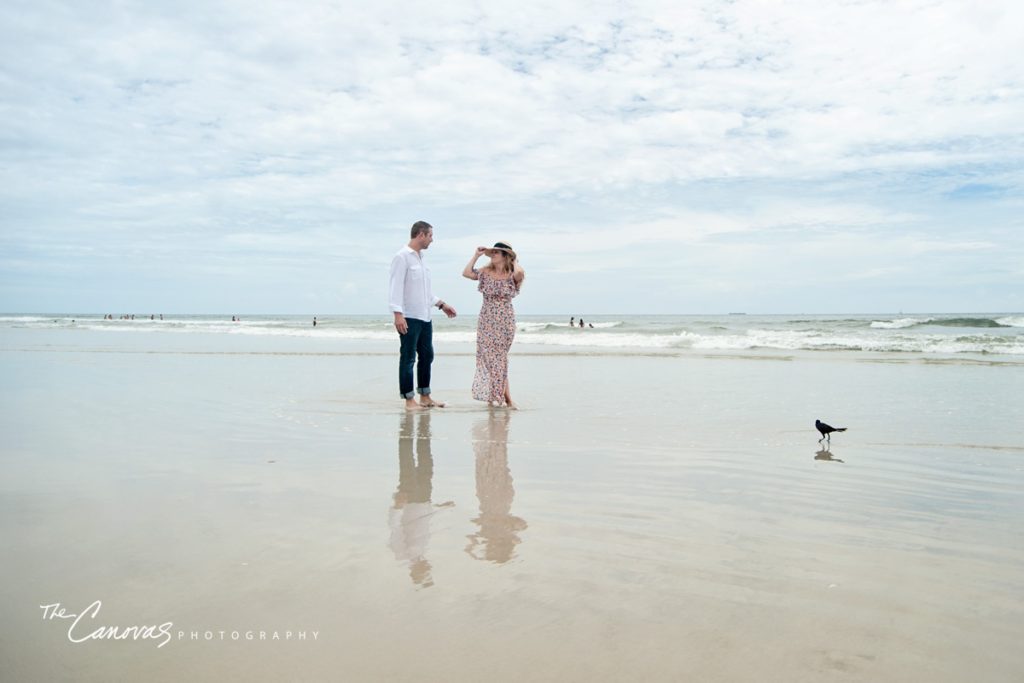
x=468, y=271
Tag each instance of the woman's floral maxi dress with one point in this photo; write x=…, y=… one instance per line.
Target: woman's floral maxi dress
x=494, y=334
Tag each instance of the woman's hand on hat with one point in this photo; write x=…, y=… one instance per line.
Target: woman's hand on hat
x=480, y=251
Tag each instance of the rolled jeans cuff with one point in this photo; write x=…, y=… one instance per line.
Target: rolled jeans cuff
x=424, y=391
x=409, y=394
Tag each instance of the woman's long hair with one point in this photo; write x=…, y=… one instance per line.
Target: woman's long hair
x=509, y=262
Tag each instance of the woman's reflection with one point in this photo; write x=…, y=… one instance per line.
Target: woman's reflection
x=498, y=535
x=411, y=511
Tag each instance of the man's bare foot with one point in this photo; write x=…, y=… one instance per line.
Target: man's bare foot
x=410, y=404
x=426, y=402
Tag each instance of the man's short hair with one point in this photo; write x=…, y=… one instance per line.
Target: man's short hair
x=420, y=227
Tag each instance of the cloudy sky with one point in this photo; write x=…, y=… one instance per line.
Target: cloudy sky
x=653, y=157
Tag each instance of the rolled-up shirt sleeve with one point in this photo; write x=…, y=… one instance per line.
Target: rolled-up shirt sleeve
x=396, y=284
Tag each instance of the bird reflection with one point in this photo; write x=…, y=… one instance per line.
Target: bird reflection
x=498, y=534
x=825, y=454
x=411, y=511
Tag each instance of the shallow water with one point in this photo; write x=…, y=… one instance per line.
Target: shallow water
x=643, y=517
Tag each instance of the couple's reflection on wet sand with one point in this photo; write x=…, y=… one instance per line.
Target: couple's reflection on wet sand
x=497, y=535
x=497, y=529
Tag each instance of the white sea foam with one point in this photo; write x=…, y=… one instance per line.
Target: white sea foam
x=814, y=341
x=764, y=332
x=899, y=323
x=28, y=319
x=595, y=339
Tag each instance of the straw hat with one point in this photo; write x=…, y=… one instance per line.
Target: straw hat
x=501, y=246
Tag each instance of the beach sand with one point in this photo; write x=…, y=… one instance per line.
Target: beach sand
x=643, y=517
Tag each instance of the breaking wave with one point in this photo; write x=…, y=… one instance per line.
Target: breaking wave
x=901, y=323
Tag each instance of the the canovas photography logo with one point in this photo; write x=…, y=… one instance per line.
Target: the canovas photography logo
x=84, y=626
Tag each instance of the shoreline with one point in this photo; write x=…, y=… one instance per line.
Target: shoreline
x=945, y=336
x=894, y=357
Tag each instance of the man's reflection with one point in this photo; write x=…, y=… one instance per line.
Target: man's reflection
x=498, y=535
x=410, y=514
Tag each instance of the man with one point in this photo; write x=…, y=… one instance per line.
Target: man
x=411, y=298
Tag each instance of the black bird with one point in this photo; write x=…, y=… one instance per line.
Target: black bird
x=826, y=430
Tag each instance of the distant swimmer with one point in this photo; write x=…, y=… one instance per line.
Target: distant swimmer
x=581, y=323
x=572, y=321
x=826, y=430
x=314, y=321
x=590, y=325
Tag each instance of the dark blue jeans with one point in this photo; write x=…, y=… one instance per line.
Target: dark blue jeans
x=418, y=341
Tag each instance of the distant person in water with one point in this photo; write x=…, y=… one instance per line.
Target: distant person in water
x=572, y=321
x=581, y=323
x=411, y=297
x=499, y=282
x=314, y=321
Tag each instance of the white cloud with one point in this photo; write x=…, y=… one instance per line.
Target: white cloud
x=158, y=129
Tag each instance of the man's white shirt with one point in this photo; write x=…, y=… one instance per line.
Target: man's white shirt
x=409, y=291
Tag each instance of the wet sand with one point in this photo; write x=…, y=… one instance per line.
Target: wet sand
x=641, y=518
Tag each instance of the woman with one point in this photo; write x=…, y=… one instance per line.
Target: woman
x=500, y=280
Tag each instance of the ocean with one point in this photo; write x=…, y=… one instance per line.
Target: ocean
x=961, y=335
